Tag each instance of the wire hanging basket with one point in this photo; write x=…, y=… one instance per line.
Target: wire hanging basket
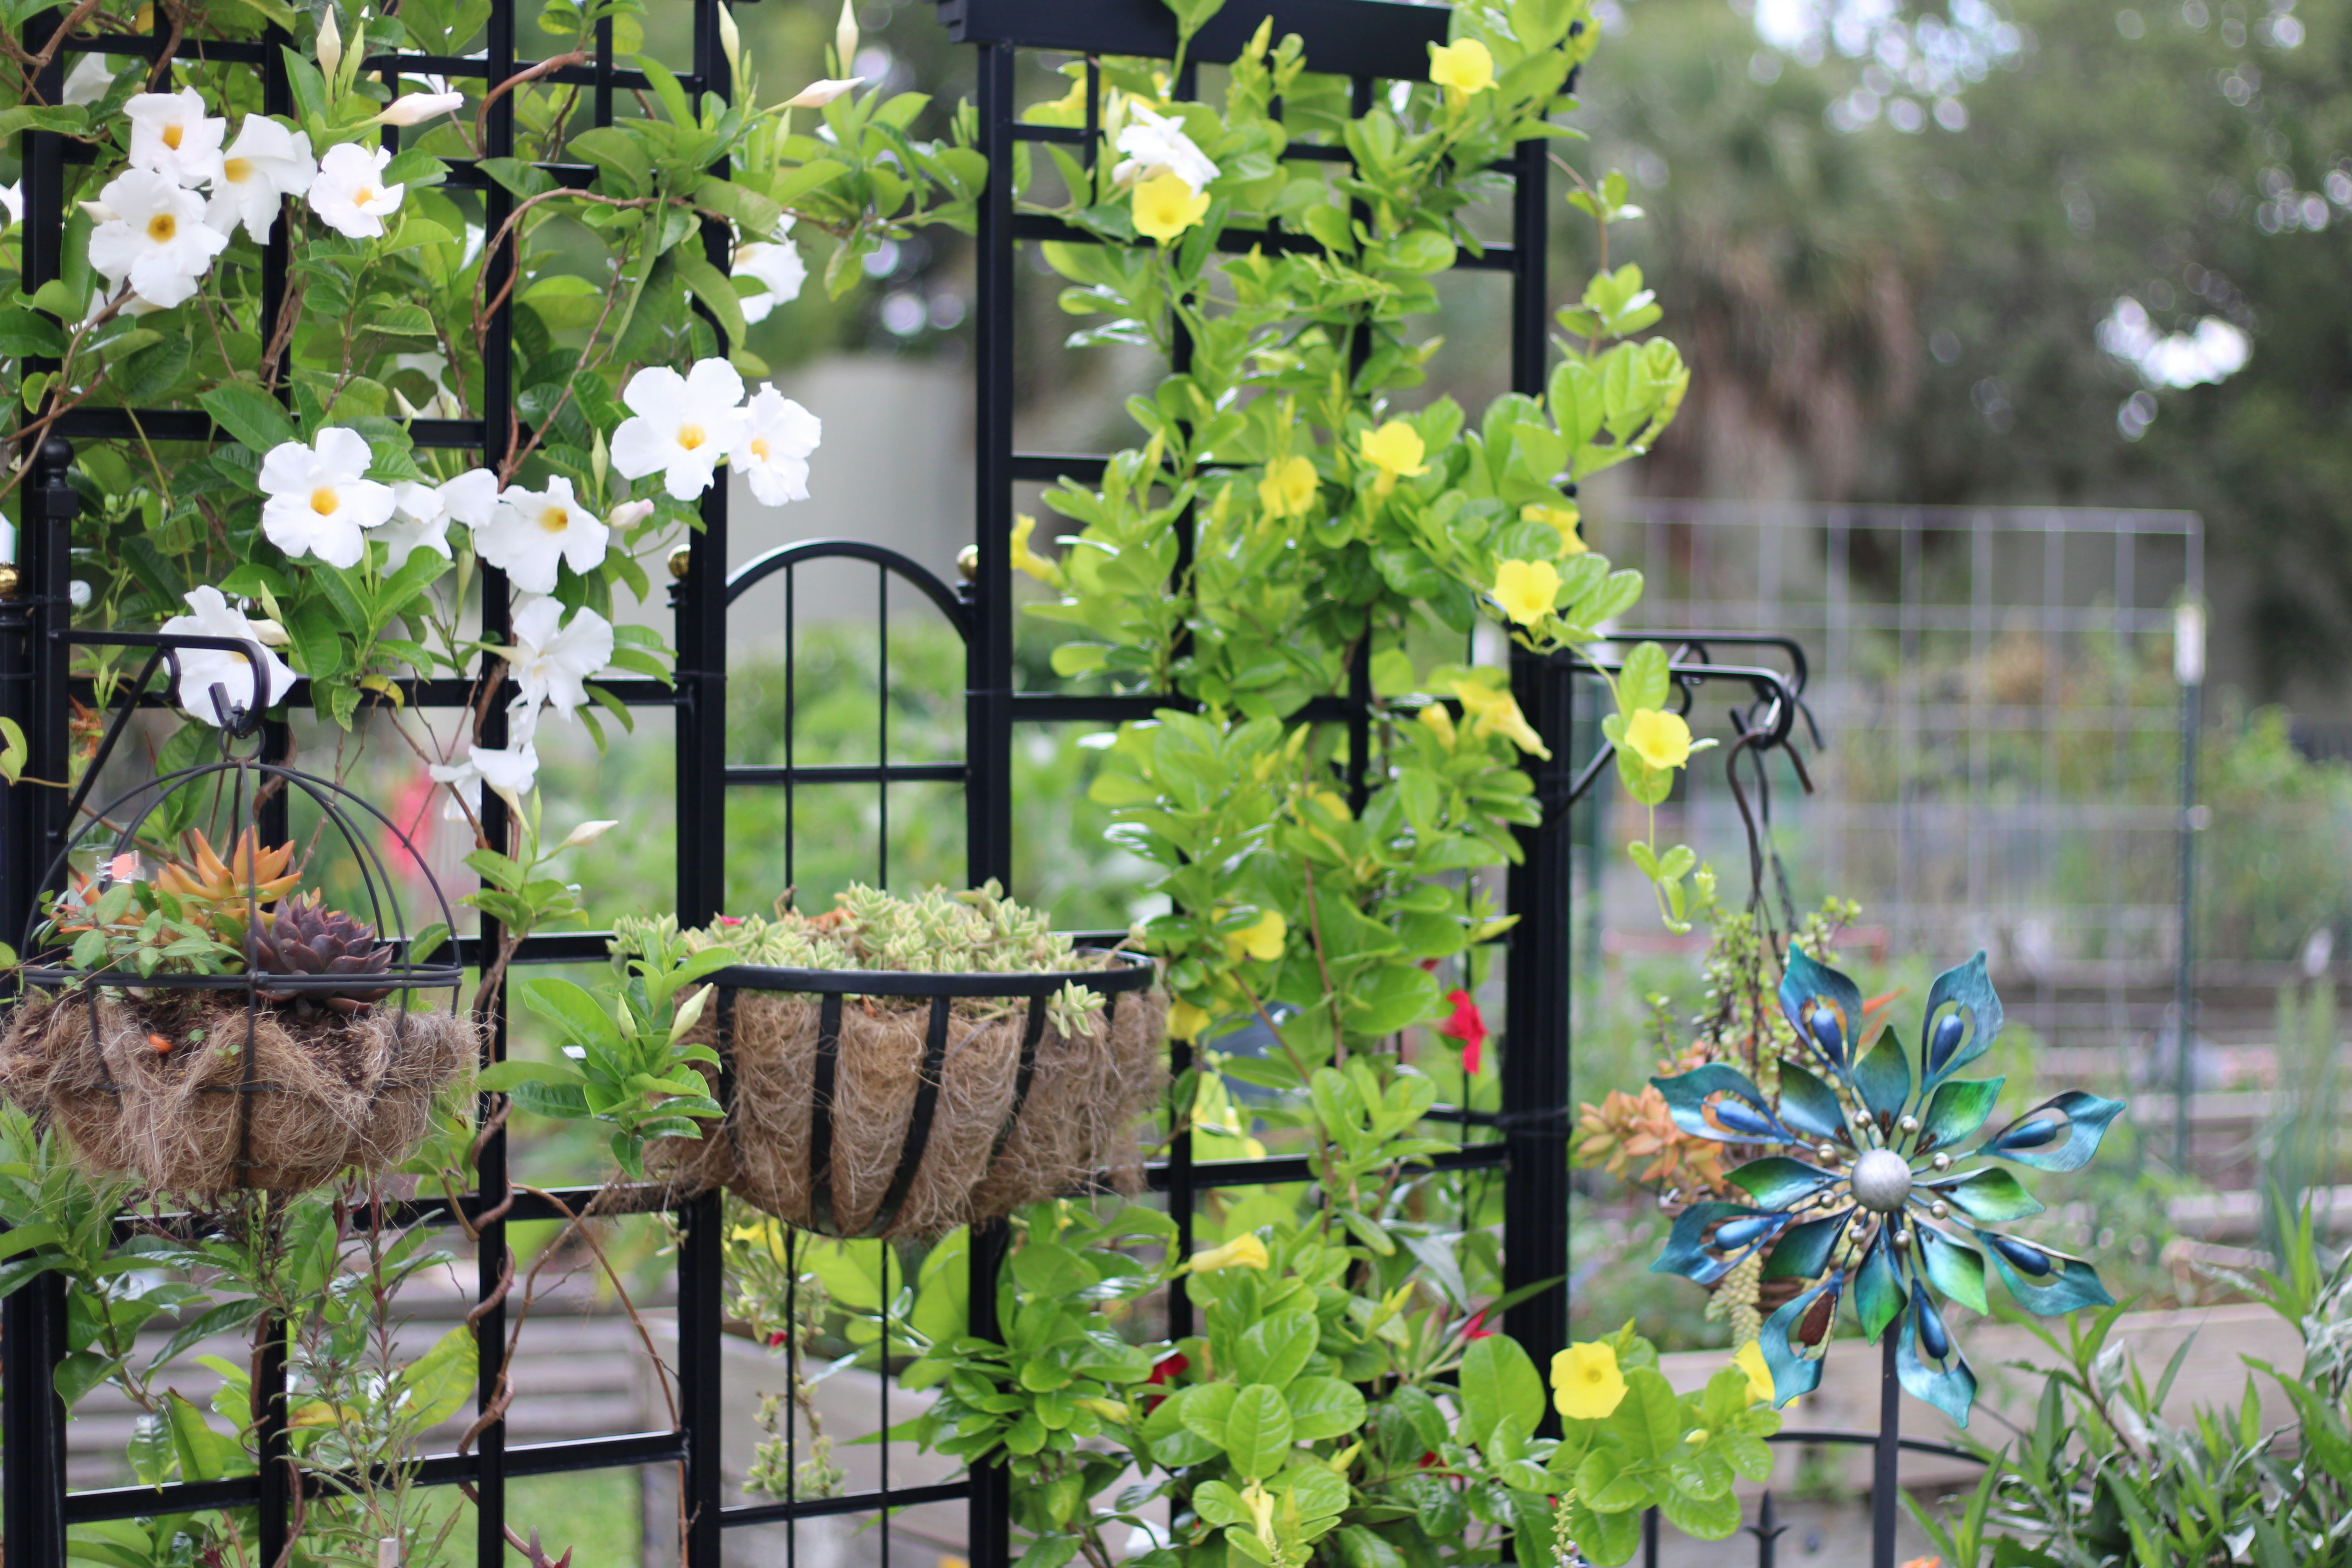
x=890, y=1103
x=201, y=1024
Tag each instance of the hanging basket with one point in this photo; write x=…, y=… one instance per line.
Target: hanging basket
x=311, y=1060
x=876, y=1103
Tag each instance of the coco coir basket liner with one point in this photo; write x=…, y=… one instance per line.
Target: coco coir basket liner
x=883, y=1103
x=304, y=1099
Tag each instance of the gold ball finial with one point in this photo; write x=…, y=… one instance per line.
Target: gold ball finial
x=7, y=580
x=968, y=563
x=680, y=560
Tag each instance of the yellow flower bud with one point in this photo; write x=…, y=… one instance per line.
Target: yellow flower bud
x=1243, y=1252
x=1439, y=720
x=1497, y=712
x=1562, y=518
x=1750, y=1360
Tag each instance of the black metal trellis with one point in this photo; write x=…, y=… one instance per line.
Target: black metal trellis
x=1369, y=41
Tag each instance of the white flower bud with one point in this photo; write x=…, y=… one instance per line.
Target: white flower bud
x=331, y=43
x=817, y=94
x=417, y=107
x=845, y=36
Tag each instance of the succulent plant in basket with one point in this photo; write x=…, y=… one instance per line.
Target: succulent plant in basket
x=303, y=937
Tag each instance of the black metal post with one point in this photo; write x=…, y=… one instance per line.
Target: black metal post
x=1887, y=1476
x=1540, y=889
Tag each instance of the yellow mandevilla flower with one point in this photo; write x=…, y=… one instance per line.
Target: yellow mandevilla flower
x=1261, y=939
x=1750, y=1360
x=1658, y=738
x=1288, y=488
x=1165, y=207
x=1396, y=451
x=1585, y=1382
x=1563, y=518
x=1526, y=589
x=1044, y=568
x=1439, y=720
x=1497, y=712
x=1242, y=1252
x=1185, y=1021
x=1461, y=68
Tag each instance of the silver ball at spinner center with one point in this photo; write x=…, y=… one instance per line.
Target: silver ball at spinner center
x=1882, y=1180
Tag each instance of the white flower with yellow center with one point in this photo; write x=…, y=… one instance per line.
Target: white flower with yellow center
x=265, y=163
x=155, y=236
x=1156, y=144
x=203, y=668
x=531, y=530
x=778, y=435
x=776, y=265
x=552, y=663
x=684, y=425
x=424, y=513
x=172, y=134
x=320, y=500
x=350, y=196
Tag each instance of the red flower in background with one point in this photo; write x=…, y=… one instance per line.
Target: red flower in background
x=1476, y=1329
x=1165, y=1371
x=1468, y=1025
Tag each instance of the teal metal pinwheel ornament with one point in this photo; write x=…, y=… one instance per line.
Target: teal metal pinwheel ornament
x=1883, y=1193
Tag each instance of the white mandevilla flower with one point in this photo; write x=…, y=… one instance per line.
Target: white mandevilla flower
x=154, y=236
x=776, y=265
x=89, y=81
x=172, y=134
x=423, y=513
x=1156, y=144
x=510, y=770
x=202, y=669
x=553, y=666
x=321, y=499
x=774, y=450
x=12, y=200
x=531, y=530
x=265, y=162
x=817, y=94
x=417, y=107
x=684, y=425
x=350, y=194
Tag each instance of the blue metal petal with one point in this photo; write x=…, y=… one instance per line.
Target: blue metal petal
x=1745, y=1114
x=1824, y=1007
x=1883, y=1077
x=1954, y=1113
x=2064, y=1141
x=1686, y=1251
x=1952, y=1390
x=2062, y=1284
x=1777, y=1181
x=1803, y=1250
x=1810, y=1106
x=1965, y=993
x=1807, y=1320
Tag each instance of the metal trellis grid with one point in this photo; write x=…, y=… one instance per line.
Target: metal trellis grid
x=1371, y=42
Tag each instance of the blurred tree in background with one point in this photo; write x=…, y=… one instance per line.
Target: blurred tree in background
x=2065, y=252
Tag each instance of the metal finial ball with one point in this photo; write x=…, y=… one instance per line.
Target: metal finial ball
x=1882, y=1181
x=1939, y=1210
x=681, y=561
x=1909, y=1124
x=1862, y=1119
x=1827, y=1153
x=968, y=563
x=1942, y=1161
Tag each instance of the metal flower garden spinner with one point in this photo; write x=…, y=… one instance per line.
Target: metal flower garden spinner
x=1880, y=1191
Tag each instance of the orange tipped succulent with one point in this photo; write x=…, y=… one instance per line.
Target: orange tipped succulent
x=1626, y=1128
x=225, y=884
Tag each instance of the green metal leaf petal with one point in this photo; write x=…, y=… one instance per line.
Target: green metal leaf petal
x=2065, y=1285
x=1953, y=1267
x=1954, y=1113
x=1810, y=1106
x=1687, y=1251
x=2061, y=1134
x=1883, y=1078
x=1952, y=1390
x=1777, y=1181
x=1745, y=1114
x=1803, y=1250
x=1878, y=1289
x=1987, y=1194
x=1808, y=988
x=1964, y=995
